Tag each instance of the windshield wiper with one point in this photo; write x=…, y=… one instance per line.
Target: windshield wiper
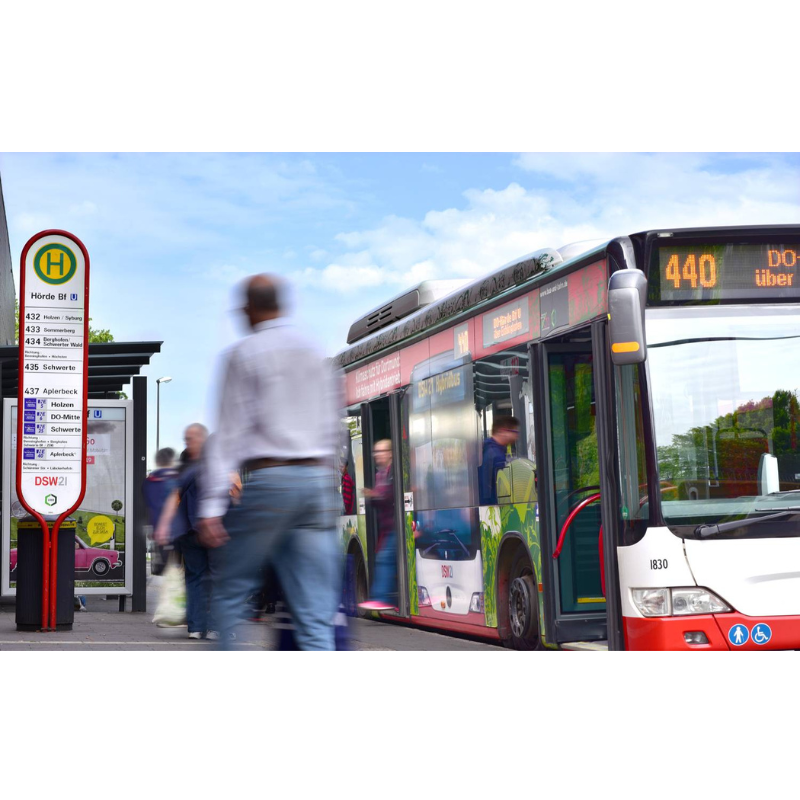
x=704, y=531
x=701, y=339
x=785, y=491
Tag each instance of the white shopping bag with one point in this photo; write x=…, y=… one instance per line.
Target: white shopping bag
x=171, y=609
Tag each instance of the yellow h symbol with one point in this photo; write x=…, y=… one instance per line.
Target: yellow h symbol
x=52, y=263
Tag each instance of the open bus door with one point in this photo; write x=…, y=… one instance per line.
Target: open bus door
x=570, y=487
x=381, y=419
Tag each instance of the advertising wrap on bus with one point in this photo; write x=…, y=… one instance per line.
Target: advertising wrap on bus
x=448, y=563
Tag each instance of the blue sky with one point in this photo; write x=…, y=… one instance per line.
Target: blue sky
x=171, y=235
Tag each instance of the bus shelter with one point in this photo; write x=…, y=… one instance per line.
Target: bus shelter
x=110, y=539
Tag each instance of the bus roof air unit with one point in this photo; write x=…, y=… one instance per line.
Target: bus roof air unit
x=401, y=306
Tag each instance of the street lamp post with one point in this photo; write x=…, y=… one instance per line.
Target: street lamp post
x=158, y=409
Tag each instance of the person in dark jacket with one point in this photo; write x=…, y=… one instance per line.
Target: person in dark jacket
x=382, y=498
x=157, y=487
x=178, y=526
x=348, y=490
x=505, y=431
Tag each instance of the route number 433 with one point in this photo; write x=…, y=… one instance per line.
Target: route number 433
x=658, y=563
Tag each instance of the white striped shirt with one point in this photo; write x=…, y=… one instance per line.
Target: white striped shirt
x=280, y=399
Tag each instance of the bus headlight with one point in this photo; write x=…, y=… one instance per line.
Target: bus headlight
x=677, y=602
x=696, y=601
x=476, y=604
x=652, y=602
x=423, y=597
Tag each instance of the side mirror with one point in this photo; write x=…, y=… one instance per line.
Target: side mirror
x=627, y=295
x=768, y=477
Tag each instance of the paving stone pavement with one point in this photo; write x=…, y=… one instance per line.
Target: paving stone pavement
x=102, y=628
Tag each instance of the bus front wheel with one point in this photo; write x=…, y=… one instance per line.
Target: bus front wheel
x=523, y=606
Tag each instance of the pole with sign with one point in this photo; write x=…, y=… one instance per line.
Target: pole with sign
x=53, y=389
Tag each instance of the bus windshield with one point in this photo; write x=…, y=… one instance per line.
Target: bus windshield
x=724, y=384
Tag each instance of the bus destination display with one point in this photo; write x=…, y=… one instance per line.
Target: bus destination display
x=727, y=272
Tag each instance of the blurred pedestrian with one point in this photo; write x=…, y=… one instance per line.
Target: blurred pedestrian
x=348, y=490
x=381, y=496
x=177, y=526
x=278, y=421
x=157, y=487
x=265, y=600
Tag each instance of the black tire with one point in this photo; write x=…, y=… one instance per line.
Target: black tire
x=101, y=567
x=356, y=586
x=523, y=605
x=360, y=585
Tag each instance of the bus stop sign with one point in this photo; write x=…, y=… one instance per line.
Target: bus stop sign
x=53, y=373
x=53, y=386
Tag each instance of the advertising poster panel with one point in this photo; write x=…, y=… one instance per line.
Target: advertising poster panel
x=104, y=518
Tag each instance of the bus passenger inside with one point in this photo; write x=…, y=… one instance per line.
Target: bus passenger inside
x=505, y=431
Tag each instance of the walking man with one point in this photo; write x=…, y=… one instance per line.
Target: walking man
x=177, y=526
x=384, y=585
x=278, y=422
x=157, y=487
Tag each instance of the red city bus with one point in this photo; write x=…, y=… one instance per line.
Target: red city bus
x=651, y=498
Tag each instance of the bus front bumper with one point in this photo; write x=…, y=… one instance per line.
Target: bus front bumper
x=732, y=631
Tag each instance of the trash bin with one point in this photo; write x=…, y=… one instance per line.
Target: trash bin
x=28, y=574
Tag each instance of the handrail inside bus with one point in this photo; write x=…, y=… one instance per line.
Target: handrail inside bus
x=574, y=513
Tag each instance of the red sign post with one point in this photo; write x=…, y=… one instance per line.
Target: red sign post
x=53, y=390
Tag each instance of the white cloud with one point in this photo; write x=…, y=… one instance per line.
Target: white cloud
x=226, y=274
x=173, y=201
x=28, y=222
x=569, y=198
x=352, y=273
x=85, y=208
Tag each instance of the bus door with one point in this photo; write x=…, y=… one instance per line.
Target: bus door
x=380, y=421
x=575, y=607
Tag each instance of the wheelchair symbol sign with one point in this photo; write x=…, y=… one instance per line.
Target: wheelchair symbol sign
x=762, y=633
x=738, y=635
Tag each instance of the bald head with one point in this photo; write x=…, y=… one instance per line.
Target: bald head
x=195, y=437
x=263, y=298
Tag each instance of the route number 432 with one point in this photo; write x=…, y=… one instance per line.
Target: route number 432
x=658, y=563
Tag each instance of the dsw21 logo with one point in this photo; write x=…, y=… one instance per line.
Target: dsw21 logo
x=50, y=480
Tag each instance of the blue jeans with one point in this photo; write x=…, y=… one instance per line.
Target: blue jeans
x=384, y=584
x=286, y=518
x=198, y=582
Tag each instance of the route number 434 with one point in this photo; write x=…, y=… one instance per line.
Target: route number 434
x=658, y=563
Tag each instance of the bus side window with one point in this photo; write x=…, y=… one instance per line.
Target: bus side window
x=352, y=463
x=502, y=390
x=633, y=463
x=417, y=420
x=441, y=439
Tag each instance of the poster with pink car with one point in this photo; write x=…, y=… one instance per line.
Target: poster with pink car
x=104, y=518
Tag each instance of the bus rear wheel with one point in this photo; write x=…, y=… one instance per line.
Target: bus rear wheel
x=523, y=605
x=357, y=589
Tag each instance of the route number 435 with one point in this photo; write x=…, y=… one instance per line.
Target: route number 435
x=658, y=563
